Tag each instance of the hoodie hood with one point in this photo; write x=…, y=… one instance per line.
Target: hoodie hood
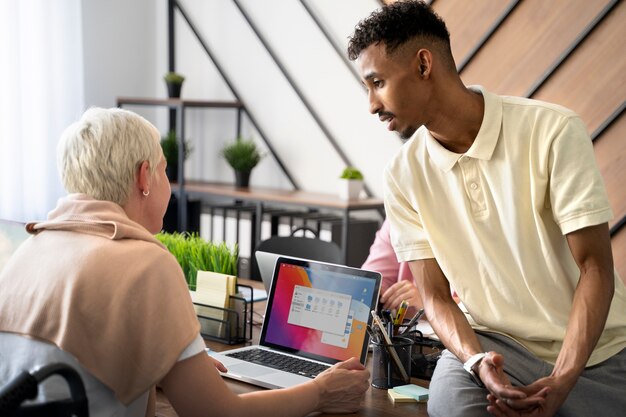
x=83, y=214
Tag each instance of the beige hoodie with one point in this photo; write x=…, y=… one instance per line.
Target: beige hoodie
x=102, y=288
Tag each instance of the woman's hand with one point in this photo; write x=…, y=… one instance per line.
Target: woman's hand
x=219, y=365
x=403, y=290
x=342, y=387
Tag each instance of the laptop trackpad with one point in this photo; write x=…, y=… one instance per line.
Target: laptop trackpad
x=249, y=369
x=284, y=379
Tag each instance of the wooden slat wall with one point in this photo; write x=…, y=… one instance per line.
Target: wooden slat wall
x=528, y=42
x=467, y=21
x=590, y=81
x=611, y=156
x=619, y=249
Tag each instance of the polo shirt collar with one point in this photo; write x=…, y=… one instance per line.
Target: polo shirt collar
x=485, y=141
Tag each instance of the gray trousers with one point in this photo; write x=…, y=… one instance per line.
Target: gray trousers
x=600, y=391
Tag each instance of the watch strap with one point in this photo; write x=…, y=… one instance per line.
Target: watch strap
x=469, y=367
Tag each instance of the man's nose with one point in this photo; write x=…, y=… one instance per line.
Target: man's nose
x=375, y=105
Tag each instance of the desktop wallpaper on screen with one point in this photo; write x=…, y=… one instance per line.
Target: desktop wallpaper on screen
x=321, y=312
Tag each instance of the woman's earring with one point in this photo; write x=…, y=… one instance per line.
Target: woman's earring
x=145, y=193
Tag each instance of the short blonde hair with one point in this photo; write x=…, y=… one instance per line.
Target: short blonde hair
x=99, y=155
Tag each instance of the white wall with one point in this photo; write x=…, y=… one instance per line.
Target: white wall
x=126, y=54
x=120, y=50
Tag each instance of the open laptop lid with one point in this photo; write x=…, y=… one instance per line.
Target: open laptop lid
x=319, y=310
x=12, y=234
x=266, y=261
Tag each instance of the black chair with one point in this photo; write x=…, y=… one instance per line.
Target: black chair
x=300, y=247
x=25, y=387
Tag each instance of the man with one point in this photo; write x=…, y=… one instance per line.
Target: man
x=499, y=197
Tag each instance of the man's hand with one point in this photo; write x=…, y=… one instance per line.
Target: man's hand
x=551, y=388
x=491, y=371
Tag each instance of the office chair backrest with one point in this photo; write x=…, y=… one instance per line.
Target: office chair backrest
x=25, y=387
x=299, y=247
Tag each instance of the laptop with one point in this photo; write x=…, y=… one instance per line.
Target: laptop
x=266, y=261
x=316, y=316
x=12, y=234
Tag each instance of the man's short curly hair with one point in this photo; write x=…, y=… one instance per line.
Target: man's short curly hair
x=397, y=23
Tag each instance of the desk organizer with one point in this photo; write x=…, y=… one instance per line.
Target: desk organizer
x=424, y=356
x=231, y=325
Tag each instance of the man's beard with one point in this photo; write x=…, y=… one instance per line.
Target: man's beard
x=407, y=133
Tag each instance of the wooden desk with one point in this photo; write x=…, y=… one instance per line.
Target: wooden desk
x=260, y=196
x=376, y=402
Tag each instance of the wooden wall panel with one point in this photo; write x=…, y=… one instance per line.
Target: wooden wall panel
x=468, y=21
x=610, y=151
x=593, y=81
x=528, y=42
x=619, y=253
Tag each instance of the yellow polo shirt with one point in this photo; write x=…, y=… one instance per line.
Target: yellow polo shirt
x=495, y=217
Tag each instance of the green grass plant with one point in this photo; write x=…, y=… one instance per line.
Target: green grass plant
x=196, y=254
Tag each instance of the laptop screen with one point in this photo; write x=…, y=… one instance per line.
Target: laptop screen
x=12, y=234
x=319, y=310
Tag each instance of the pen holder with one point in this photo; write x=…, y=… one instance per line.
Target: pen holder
x=426, y=353
x=386, y=371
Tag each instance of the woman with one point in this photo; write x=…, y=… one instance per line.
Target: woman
x=93, y=288
x=397, y=282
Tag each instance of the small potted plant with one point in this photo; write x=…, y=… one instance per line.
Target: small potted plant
x=242, y=155
x=174, y=82
x=169, y=144
x=351, y=184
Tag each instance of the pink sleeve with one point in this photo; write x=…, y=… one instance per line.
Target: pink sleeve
x=383, y=259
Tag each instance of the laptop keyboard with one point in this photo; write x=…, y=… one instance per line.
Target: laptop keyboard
x=281, y=362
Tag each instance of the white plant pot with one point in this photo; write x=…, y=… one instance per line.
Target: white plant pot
x=350, y=189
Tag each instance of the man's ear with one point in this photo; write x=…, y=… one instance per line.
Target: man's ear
x=424, y=63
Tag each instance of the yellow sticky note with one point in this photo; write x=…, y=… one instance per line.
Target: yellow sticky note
x=417, y=392
x=399, y=398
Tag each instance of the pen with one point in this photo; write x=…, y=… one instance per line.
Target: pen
x=386, y=316
x=401, y=313
x=414, y=320
x=372, y=334
x=387, y=320
x=391, y=348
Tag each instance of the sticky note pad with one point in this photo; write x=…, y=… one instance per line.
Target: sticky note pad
x=415, y=391
x=399, y=398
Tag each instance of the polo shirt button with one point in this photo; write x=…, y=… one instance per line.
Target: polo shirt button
x=473, y=186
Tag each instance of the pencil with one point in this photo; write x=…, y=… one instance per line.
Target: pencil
x=404, y=305
x=392, y=349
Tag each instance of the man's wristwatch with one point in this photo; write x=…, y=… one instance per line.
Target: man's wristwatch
x=472, y=363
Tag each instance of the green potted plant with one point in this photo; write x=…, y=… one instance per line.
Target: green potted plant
x=174, y=82
x=351, y=183
x=169, y=144
x=196, y=254
x=242, y=155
